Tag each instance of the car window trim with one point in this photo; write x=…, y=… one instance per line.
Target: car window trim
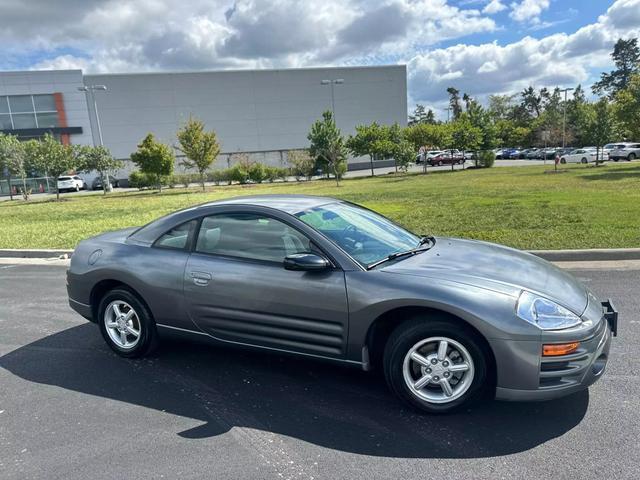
x=334, y=264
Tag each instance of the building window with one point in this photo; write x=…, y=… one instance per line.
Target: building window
x=28, y=111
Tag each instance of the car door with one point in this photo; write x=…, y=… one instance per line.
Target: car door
x=237, y=290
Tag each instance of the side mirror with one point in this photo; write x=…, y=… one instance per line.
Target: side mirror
x=306, y=262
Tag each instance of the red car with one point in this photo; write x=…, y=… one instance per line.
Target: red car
x=447, y=158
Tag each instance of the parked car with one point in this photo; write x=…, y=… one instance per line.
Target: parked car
x=447, y=320
x=534, y=153
x=609, y=147
x=447, y=158
x=580, y=155
x=507, y=152
x=514, y=154
x=550, y=153
x=97, y=182
x=428, y=155
x=625, y=151
x=71, y=183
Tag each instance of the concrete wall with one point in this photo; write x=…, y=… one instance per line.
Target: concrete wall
x=251, y=111
x=47, y=82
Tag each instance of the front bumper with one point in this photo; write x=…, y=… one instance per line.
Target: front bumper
x=559, y=376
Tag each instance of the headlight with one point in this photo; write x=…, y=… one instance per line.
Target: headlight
x=544, y=313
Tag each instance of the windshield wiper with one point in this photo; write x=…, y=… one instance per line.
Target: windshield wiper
x=425, y=244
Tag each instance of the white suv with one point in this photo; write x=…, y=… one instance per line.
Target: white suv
x=71, y=183
x=625, y=151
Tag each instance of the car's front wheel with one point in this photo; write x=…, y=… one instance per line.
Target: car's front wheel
x=126, y=324
x=435, y=365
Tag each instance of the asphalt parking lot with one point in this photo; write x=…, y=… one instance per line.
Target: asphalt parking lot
x=69, y=408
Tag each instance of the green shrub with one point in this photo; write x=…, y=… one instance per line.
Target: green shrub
x=257, y=172
x=139, y=180
x=219, y=176
x=238, y=173
x=486, y=158
x=303, y=165
x=184, y=179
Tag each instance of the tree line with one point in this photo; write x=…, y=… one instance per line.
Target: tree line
x=535, y=117
x=22, y=160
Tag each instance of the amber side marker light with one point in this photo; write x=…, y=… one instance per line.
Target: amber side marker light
x=555, y=349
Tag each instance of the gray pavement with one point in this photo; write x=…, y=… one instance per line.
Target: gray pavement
x=71, y=409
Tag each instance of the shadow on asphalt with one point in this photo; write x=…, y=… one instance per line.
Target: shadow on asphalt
x=327, y=405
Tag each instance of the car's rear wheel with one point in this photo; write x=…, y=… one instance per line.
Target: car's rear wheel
x=436, y=366
x=563, y=160
x=632, y=156
x=126, y=324
x=440, y=163
x=584, y=160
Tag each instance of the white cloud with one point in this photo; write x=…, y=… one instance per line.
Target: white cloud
x=528, y=10
x=155, y=35
x=493, y=7
x=556, y=60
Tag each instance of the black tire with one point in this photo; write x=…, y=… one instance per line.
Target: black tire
x=148, y=334
x=632, y=156
x=584, y=160
x=414, y=330
x=563, y=160
x=440, y=163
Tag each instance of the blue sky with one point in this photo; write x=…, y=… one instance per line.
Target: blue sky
x=479, y=46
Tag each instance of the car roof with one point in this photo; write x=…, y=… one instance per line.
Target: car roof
x=290, y=204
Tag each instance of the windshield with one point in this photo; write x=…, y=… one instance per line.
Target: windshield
x=363, y=234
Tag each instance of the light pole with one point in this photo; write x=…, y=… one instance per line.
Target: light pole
x=448, y=109
x=336, y=81
x=91, y=89
x=564, y=116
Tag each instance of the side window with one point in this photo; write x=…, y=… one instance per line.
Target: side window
x=249, y=236
x=177, y=237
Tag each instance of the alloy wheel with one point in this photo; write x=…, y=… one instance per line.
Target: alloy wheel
x=438, y=370
x=122, y=324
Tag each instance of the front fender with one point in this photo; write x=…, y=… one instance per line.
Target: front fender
x=374, y=293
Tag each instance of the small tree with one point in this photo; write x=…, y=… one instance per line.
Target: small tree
x=154, y=159
x=627, y=108
x=51, y=156
x=12, y=159
x=364, y=141
x=464, y=136
x=327, y=145
x=302, y=164
x=403, y=153
x=99, y=159
x=599, y=126
x=201, y=148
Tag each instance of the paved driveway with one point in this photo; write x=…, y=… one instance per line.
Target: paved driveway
x=71, y=409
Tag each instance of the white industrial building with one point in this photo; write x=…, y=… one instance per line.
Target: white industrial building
x=264, y=113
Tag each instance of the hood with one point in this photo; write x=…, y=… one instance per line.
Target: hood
x=494, y=267
x=115, y=236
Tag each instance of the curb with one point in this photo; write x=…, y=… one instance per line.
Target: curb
x=44, y=253
x=588, y=255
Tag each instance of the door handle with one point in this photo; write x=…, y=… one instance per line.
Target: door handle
x=201, y=279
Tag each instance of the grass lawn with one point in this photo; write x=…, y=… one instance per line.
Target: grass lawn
x=586, y=207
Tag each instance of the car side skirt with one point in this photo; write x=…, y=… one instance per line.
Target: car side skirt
x=183, y=332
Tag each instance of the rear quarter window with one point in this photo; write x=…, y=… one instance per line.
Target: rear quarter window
x=177, y=238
